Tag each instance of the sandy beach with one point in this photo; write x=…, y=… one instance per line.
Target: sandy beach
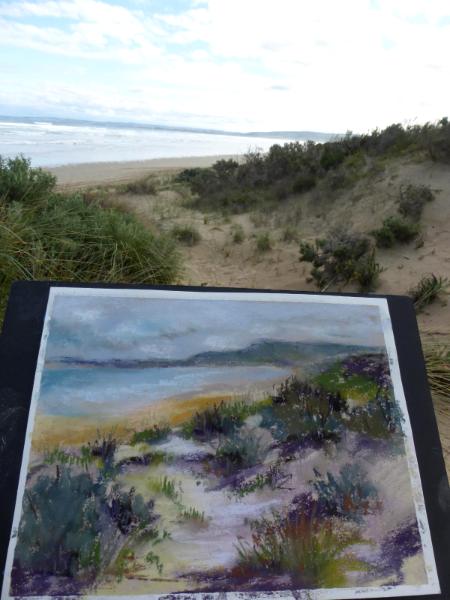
x=100, y=173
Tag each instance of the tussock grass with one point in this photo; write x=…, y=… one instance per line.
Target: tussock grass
x=427, y=290
x=437, y=361
x=47, y=235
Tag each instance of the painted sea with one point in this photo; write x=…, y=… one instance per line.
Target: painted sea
x=51, y=143
x=112, y=391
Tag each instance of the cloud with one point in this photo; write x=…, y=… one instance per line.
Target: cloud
x=354, y=64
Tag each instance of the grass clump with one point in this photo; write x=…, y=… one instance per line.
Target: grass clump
x=20, y=183
x=193, y=515
x=62, y=237
x=151, y=435
x=437, y=360
x=340, y=259
x=395, y=230
x=290, y=234
x=301, y=543
x=413, y=199
x=146, y=185
x=427, y=290
x=263, y=242
x=167, y=487
x=186, y=234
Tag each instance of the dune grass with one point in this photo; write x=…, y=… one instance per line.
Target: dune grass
x=427, y=290
x=437, y=360
x=48, y=235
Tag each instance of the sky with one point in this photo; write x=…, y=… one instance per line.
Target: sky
x=102, y=328
x=238, y=65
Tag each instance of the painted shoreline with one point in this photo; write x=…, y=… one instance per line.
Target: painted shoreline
x=51, y=430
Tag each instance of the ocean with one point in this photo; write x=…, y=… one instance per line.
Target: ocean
x=50, y=143
x=88, y=391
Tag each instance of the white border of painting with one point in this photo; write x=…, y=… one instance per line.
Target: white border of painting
x=432, y=587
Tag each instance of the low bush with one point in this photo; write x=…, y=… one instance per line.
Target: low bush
x=340, y=259
x=395, y=230
x=145, y=185
x=186, y=234
x=427, y=290
x=413, y=199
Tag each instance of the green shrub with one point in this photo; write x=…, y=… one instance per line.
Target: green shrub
x=19, y=182
x=437, y=140
x=395, y=230
x=412, y=200
x=290, y=234
x=367, y=272
x=186, y=234
x=341, y=258
x=151, y=435
x=427, y=290
x=55, y=541
x=263, y=242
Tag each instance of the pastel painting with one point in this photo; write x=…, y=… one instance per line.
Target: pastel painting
x=215, y=442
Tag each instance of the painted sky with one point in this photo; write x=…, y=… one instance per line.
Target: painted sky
x=129, y=328
x=323, y=65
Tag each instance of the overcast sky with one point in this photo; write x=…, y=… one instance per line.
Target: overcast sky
x=129, y=328
x=324, y=65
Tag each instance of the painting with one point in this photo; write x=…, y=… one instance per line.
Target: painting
x=218, y=442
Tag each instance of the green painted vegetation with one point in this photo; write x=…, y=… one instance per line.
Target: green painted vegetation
x=239, y=451
x=310, y=549
x=220, y=419
x=356, y=386
x=349, y=495
x=155, y=433
x=49, y=235
x=167, y=487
